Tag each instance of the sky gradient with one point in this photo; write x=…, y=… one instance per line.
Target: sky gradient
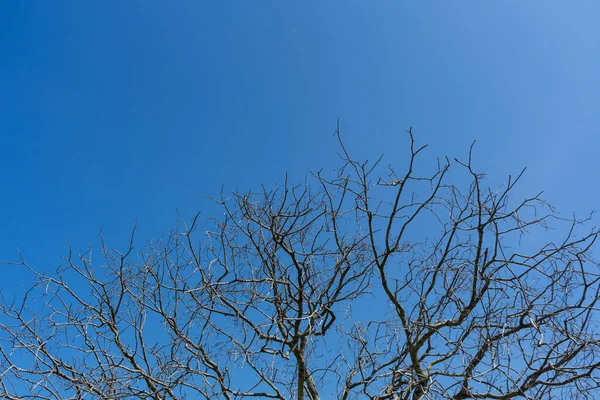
x=114, y=113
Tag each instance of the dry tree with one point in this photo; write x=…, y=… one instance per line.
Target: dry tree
x=365, y=284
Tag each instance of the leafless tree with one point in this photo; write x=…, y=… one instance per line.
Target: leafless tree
x=366, y=284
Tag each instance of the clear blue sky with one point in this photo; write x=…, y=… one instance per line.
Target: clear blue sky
x=112, y=112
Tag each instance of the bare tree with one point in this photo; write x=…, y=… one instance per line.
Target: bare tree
x=367, y=284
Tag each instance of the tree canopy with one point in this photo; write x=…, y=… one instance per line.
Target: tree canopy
x=379, y=282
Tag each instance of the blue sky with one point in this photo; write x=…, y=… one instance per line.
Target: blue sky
x=113, y=113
